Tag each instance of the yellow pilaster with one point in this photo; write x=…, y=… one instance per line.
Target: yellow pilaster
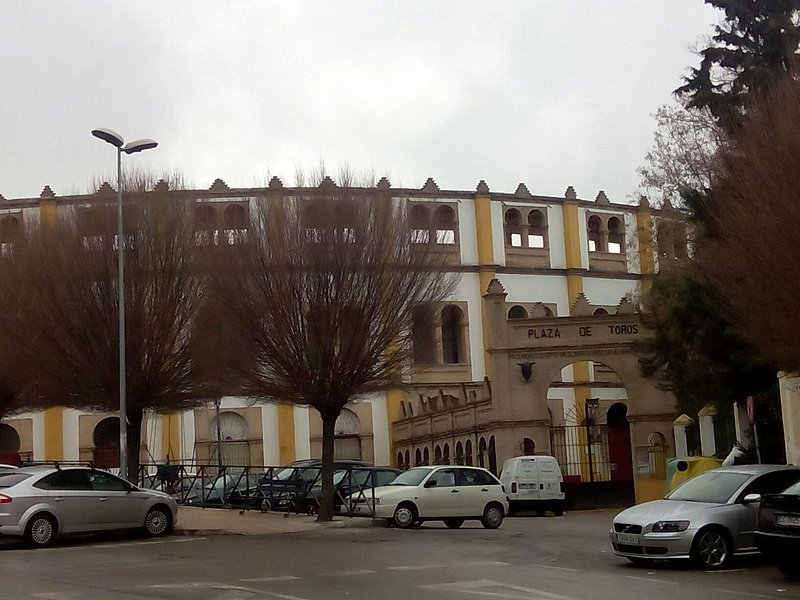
x=48, y=212
x=286, y=433
x=644, y=230
x=54, y=433
x=486, y=265
x=170, y=437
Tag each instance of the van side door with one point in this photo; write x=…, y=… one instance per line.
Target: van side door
x=528, y=479
x=549, y=480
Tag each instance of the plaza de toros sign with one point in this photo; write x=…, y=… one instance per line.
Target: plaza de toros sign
x=571, y=332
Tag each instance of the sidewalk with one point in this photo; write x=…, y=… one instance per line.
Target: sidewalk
x=222, y=521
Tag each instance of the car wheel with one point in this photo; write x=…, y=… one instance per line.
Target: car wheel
x=711, y=548
x=492, y=516
x=790, y=567
x=40, y=531
x=558, y=510
x=157, y=522
x=454, y=523
x=405, y=515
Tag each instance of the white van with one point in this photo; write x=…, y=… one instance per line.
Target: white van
x=533, y=482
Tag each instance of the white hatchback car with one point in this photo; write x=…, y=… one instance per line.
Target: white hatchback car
x=451, y=494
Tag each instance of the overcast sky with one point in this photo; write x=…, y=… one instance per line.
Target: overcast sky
x=552, y=93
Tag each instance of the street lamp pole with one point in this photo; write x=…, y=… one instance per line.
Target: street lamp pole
x=116, y=140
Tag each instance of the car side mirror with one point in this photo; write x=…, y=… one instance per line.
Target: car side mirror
x=751, y=498
x=431, y=483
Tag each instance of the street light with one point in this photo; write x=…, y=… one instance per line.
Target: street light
x=113, y=138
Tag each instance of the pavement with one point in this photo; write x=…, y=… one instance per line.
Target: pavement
x=194, y=520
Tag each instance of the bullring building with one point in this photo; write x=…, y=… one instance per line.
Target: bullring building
x=532, y=354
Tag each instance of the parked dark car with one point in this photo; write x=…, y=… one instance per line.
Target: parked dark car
x=357, y=482
x=778, y=534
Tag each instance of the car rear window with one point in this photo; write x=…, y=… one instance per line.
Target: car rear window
x=793, y=489
x=9, y=479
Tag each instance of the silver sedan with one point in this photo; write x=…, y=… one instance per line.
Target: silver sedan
x=708, y=519
x=38, y=503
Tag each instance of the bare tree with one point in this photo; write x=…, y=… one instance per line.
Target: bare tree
x=683, y=156
x=59, y=307
x=321, y=296
x=750, y=250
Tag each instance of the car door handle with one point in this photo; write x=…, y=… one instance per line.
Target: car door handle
x=453, y=491
x=103, y=499
x=484, y=489
x=58, y=499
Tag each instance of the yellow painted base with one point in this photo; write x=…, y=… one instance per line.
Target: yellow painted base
x=650, y=489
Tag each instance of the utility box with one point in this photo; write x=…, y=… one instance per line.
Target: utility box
x=683, y=469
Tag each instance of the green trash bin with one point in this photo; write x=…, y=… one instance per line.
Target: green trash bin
x=683, y=469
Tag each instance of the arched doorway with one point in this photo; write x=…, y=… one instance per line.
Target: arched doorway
x=9, y=445
x=590, y=436
x=105, y=438
x=619, y=443
x=229, y=435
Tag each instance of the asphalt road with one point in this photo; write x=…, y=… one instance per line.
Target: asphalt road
x=565, y=558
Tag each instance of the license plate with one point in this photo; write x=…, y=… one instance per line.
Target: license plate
x=788, y=520
x=627, y=538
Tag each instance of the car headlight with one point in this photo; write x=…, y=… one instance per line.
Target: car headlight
x=670, y=526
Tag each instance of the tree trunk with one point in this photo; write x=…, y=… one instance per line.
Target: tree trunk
x=326, y=506
x=135, y=417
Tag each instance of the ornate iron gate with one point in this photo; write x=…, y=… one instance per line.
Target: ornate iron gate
x=582, y=452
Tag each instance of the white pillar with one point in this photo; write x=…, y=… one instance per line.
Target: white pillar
x=270, y=434
x=789, y=384
x=39, y=434
x=187, y=436
x=71, y=440
x=380, y=430
x=679, y=430
x=302, y=436
x=708, y=445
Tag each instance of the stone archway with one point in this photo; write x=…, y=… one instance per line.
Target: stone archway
x=619, y=443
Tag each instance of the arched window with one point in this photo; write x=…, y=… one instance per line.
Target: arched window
x=513, y=228
x=445, y=225
x=229, y=435
x=407, y=461
x=482, y=453
x=595, y=226
x=528, y=446
x=426, y=456
x=420, y=221
x=9, y=229
x=344, y=216
x=446, y=454
x=548, y=312
x=451, y=335
x=437, y=455
x=468, y=452
x=599, y=312
x=657, y=455
x=235, y=221
x=346, y=431
x=517, y=312
x=417, y=458
x=536, y=229
x=616, y=236
x=459, y=453
x=400, y=463
x=204, y=224
x=423, y=330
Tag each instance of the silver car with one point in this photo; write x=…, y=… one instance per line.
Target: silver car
x=40, y=502
x=708, y=519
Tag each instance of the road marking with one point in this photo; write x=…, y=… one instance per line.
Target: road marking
x=554, y=567
x=726, y=571
x=126, y=543
x=347, y=573
x=274, y=578
x=486, y=563
x=488, y=587
x=415, y=567
x=739, y=593
x=649, y=579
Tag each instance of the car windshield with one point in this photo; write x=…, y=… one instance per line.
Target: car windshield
x=713, y=486
x=411, y=477
x=9, y=479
